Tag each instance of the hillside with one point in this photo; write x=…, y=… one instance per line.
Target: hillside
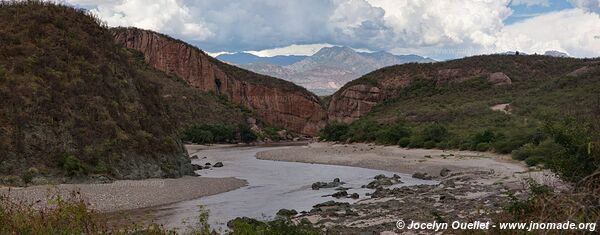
x=331, y=67
x=74, y=103
x=494, y=102
x=277, y=102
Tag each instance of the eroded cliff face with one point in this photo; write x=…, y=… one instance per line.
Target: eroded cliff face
x=358, y=98
x=275, y=101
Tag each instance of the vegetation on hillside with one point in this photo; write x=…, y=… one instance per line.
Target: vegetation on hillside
x=552, y=120
x=72, y=102
x=426, y=114
x=219, y=133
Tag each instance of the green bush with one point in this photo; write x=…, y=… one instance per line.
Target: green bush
x=574, y=149
x=392, y=134
x=246, y=134
x=482, y=147
x=208, y=134
x=434, y=132
x=335, y=131
x=486, y=136
x=248, y=226
x=72, y=165
x=404, y=142
x=429, y=144
x=416, y=142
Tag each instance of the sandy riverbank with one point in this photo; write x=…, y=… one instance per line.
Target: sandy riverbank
x=409, y=161
x=130, y=194
x=124, y=195
x=472, y=186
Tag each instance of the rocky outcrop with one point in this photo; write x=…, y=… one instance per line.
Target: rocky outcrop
x=499, y=79
x=276, y=101
x=353, y=101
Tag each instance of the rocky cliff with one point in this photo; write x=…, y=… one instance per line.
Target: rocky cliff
x=276, y=101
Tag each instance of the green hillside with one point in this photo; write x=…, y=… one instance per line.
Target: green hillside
x=73, y=103
x=546, y=97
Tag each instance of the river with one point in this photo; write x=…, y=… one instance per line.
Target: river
x=272, y=185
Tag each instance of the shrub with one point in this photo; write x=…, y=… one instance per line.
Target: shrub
x=435, y=132
x=416, y=142
x=248, y=226
x=101, y=167
x=72, y=165
x=392, y=134
x=404, y=142
x=486, y=136
x=246, y=134
x=208, y=134
x=429, y=144
x=334, y=131
x=574, y=149
x=482, y=147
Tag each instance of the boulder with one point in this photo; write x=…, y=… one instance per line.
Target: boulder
x=340, y=194
x=287, y=213
x=444, y=172
x=423, y=176
x=218, y=164
x=318, y=185
x=499, y=79
x=196, y=167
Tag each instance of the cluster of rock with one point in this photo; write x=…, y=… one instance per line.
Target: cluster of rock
x=335, y=183
x=382, y=180
x=459, y=196
x=207, y=166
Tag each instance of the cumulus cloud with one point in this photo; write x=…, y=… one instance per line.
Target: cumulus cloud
x=574, y=31
x=306, y=49
x=440, y=29
x=588, y=5
x=531, y=2
x=167, y=16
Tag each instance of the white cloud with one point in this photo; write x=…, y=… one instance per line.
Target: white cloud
x=439, y=29
x=425, y=23
x=307, y=49
x=167, y=16
x=531, y=2
x=573, y=31
x=588, y=5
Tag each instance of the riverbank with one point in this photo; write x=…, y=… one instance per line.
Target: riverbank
x=123, y=195
x=473, y=186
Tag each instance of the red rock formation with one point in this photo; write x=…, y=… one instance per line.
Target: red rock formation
x=275, y=101
x=352, y=102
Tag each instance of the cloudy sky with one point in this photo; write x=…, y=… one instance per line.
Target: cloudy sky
x=440, y=29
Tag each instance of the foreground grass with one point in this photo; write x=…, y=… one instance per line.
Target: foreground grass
x=72, y=215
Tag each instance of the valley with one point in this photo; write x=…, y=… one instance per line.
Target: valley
x=130, y=131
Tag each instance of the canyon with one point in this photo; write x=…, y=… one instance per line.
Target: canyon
x=273, y=100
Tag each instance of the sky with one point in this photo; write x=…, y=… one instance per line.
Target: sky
x=439, y=29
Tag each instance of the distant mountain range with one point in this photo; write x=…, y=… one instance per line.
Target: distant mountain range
x=552, y=53
x=247, y=58
x=325, y=71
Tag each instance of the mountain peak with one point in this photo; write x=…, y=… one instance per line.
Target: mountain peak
x=555, y=53
x=331, y=51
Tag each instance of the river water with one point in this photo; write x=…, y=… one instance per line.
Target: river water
x=272, y=185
